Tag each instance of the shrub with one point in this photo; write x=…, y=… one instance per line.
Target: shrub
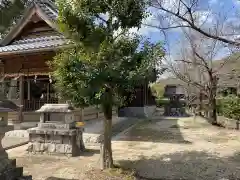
x=158, y=90
x=162, y=102
x=230, y=107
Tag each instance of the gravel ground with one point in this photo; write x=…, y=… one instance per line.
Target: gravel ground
x=180, y=148
x=164, y=148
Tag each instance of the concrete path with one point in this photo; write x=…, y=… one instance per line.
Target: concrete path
x=12, y=142
x=93, y=131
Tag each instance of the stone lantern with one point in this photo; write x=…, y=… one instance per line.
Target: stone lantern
x=8, y=169
x=56, y=132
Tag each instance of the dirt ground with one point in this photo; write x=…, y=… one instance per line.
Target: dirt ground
x=180, y=148
x=163, y=148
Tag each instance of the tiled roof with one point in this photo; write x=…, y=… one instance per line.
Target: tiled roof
x=25, y=45
x=48, y=7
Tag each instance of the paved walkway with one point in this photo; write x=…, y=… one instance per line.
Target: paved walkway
x=11, y=142
x=93, y=131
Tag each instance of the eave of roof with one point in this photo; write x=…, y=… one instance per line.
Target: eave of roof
x=48, y=43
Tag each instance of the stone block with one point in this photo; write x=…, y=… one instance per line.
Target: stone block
x=51, y=148
x=68, y=149
x=37, y=138
x=57, y=139
x=39, y=147
x=54, y=125
x=60, y=148
x=47, y=138
x=66, y=139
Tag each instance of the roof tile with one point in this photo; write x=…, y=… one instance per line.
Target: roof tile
x=35, y=44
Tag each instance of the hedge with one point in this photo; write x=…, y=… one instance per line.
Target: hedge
x=229, y=107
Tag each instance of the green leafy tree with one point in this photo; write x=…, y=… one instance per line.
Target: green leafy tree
x=230, y=107
x=9, y=12
x=105, y=61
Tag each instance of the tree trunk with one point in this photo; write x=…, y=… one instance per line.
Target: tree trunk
x=212, y=101
x=106, y=146
x=213, y=111
x=200, y=103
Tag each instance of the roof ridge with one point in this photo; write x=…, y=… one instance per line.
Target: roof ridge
x=47, y=2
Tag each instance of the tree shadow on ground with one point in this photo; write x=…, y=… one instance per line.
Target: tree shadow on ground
x=153, y=131
x=90, y=152
x=185, y=165
x=54, y=178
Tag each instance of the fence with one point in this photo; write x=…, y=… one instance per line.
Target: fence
x=83, y=114
x=90, y=113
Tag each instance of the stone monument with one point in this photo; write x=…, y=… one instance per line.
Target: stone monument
x=8, y=169
x=56, y=132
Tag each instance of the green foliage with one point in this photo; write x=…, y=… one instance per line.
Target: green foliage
x=102, y=65
x=9, y=11
x=158, y=90
x=84, y=77
x=229, y=107
x=161, y=102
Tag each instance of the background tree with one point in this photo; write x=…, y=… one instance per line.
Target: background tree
x=9, y=12
x=106, y=60
x=185, y=14
x=196, y=68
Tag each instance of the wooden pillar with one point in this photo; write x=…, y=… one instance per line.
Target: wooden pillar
x=48, y=94
x=29, y=89
x=82, y=114
x=21, y=98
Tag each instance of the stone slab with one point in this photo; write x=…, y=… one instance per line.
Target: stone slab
x=60, y=126
x=11, y=142
x=51, y=148
x=38, y=130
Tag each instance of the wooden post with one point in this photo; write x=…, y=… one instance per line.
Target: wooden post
x=29, y=90
x=82, y=114
x=48, y=92
x=21, y=97
x=97, y=112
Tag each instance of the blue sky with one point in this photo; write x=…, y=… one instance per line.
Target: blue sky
x=223, y=11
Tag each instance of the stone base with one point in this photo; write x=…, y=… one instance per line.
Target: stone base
x=140, y=112
x=55, y=141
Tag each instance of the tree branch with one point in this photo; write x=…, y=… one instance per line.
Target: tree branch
x=195, y=27
x=166, y=28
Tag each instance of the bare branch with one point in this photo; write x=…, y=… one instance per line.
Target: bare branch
x=192, y=23
x=166, y=28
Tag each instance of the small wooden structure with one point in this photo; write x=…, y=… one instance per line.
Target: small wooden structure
x=56, y=132
x=24, y=55
x=25, y=52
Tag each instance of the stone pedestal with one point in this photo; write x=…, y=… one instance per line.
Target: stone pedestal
x=56, y=138
x=57, y=132
x=8, y=168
